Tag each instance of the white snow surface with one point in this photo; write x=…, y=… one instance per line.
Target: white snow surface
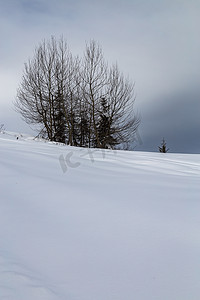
x=79, y=224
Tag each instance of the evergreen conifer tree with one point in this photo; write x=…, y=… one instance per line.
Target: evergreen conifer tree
x=163, y=148
x=105, y=127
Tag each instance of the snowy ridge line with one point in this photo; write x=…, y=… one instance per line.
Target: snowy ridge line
x=25, y=136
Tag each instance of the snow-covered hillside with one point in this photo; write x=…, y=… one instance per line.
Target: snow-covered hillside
x=79, y=224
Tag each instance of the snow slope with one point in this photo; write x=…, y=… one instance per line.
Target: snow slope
x=80, y=224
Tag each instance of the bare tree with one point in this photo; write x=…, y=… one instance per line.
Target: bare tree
x=123, y=121
x=94, y=80
x=46, y=89
x=110, y=99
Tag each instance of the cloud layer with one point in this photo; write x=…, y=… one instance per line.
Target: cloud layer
x=155, y=42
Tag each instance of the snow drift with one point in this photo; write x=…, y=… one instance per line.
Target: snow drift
x=85, y=224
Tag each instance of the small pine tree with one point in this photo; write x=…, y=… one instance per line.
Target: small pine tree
x=163, y=148
x=83, y=129
x=58, y=120
x=105, y=130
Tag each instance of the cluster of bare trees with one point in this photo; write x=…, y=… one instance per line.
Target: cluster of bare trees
x=81, y=102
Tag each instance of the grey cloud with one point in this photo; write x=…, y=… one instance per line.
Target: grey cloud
x=155, y=42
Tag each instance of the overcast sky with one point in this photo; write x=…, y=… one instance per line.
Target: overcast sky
x=155, y=42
